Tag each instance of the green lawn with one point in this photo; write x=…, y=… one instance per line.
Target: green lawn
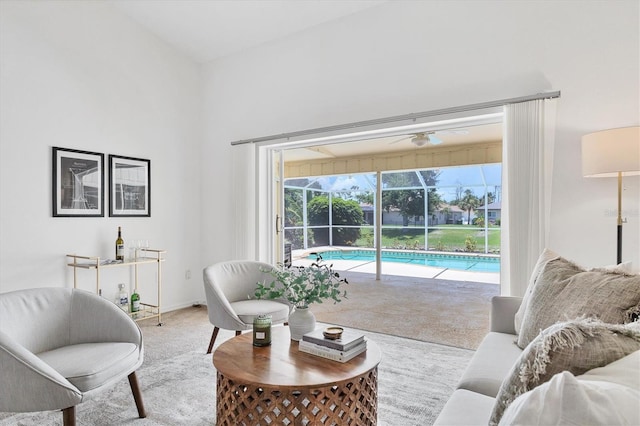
x=455, y=238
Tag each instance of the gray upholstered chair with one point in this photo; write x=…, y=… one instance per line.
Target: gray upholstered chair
x=229, y=288
x=59, y=346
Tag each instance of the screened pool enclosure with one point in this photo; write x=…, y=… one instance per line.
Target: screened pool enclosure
x=451, y=209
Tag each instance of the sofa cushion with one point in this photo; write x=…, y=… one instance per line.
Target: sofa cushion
x=490, y=364
x=90, y=365
x=575, y=346
x=465, y=408
x=608, y=395
x=564, y=290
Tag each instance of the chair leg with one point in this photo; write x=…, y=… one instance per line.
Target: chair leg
x=213, y=339
x=69, y=416
x=137, y=395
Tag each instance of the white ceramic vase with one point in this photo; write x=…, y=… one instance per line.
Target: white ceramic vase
x=301, y=321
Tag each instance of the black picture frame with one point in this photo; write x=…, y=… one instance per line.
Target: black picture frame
x=77, y=183
x=129, y=187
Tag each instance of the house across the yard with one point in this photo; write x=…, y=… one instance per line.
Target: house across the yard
x=493, y=212
x=447, y=214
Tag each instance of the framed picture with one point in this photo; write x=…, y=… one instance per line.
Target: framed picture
x=129, y=186
x=78, y=183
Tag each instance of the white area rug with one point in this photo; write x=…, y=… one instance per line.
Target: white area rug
x=415, y=380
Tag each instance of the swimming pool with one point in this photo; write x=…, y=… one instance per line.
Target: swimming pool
x=448, y=261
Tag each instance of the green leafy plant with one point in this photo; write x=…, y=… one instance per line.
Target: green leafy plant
x=301, y=286
x=470, y=243
x=343, y=212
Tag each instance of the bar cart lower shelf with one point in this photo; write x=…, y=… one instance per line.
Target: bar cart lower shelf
x=142, y=257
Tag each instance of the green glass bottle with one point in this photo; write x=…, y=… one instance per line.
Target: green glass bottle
x=135, y=301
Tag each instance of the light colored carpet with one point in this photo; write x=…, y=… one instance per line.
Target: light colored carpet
x=178, y=380
x=454, y=313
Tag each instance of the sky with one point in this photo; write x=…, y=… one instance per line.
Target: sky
x=449, y=179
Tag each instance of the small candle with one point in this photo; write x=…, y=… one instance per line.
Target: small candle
x=262, y=330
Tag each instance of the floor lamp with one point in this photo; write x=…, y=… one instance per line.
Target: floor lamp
x=612, y=153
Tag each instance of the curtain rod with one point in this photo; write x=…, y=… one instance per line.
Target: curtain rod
x=406, y=117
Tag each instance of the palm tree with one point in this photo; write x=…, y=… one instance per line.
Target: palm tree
x=468, y=202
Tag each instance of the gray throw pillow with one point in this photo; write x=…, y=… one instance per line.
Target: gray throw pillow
x=564, y=290
x=576, y=346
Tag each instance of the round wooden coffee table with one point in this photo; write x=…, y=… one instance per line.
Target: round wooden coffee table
x=279, y=385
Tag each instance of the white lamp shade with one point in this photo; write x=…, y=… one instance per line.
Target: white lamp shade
x=606, y=153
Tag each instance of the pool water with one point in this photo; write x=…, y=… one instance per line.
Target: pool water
x=448, y=261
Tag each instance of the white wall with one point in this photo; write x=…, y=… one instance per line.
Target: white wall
x=409, y=56
x=80, y=75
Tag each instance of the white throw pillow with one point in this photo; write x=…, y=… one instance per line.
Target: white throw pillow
x=565, y=400
x=577, y=346
x=622, y=268
x=625, y=371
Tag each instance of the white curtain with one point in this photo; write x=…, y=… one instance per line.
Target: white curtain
x=526, y=204
x=254, y=187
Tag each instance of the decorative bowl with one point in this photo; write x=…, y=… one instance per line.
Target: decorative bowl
x=333, y=333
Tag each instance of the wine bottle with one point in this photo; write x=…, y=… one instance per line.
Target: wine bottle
x=135, y=301
x=119, y=245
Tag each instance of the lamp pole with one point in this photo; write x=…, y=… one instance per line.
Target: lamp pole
x=620, y=221
x=612, y=153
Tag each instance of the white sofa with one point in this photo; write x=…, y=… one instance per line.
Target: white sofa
x=473, y=401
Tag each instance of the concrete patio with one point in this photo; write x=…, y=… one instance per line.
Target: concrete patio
x=438, y=305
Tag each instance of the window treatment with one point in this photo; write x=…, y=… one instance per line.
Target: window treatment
x=254, y=186
x=529, y=130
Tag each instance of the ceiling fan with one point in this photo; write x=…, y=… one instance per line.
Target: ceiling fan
x=423, y=138
x=420, y=139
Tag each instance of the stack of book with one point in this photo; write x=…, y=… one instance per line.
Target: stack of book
x=348, y=346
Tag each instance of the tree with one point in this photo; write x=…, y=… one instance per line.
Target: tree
x=293, y=207
x=491, y=197
x=468, y=202
x=410, y=201
x=343, y=212
x=293, y=216
x=458, y=192
x=364, y=197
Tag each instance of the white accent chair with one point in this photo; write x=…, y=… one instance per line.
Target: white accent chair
x=59, y=347
x=229, y=288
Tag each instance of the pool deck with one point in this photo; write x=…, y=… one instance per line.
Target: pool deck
x=399, y=269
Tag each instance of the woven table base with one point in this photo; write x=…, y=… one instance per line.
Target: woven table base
x=351, y=402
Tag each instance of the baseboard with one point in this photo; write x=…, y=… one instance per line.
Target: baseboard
x=197, y=303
